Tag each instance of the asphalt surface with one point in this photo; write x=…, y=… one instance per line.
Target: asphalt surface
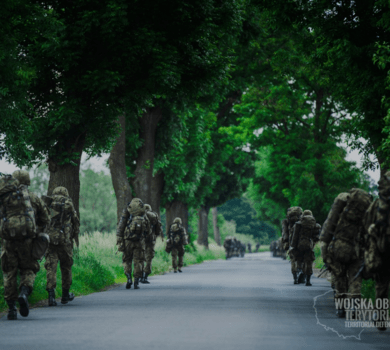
x=242, y=303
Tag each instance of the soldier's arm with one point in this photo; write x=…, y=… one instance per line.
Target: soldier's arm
x=75, y=225
x=285, y=231
x=316, y=233
x=121, y=227
x=42, y=213
x=295, y=237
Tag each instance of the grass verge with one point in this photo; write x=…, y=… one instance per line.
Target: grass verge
x=97, y=265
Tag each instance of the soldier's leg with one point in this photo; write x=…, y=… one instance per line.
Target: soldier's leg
x=340, y=277
x=181, y=257
x=354, y=284
x=149, y=255
x=382, y=280
x=66, y=262
x=294, y=270
x=174, y=253
x=308, y=260
x=138, y=258
x=51, y=267
x=127, y=260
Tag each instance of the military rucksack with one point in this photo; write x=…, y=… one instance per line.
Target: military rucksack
x=293, y=214
x=308, y=230
x=176, y=234
x=61, y=211
x=17, y=213
x=348, y=235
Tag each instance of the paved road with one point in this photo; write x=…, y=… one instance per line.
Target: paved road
x=243, y=303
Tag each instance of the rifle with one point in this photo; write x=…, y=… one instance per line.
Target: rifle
x=359, y=272
x=324, y=268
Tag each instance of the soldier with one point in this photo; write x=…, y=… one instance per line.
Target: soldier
x=150, y=242
x=23, y=215
x=305, y=236
x=242, y=248
x=293, y=215
x=177, y=239
x=377, y=243
x=249, y=248
x=342, y=235
x=227, y=244
x=132, y=229
x=257, y=247
x=236, y=247
x=282, y=252
x=64, y=229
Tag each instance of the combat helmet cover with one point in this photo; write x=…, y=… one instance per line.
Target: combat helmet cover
x=307, y=212
x=22, y=176
x=60, y=191
x=177, y=220
x=384, y=184
x=136, y=207
x=148, y=207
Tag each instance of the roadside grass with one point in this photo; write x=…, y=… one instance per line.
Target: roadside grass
x=97, y=265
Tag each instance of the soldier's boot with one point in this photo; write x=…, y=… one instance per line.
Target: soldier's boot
x=295, y=275
x=301, y=277
x=179, y=269
x=308, y=280
x=66, y=296
x=144, y=278
x=136, y=282
x=174, y=271
x=12, y=311
x=52, y=297
x=129, y=281
x=23, y=301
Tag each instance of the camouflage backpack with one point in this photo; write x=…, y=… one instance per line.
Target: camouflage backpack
x=155, y=223
x=61, y=211
x=137, y=225
x=377, y=225
x=348, y=234
x=307, y=231
x=17, y=213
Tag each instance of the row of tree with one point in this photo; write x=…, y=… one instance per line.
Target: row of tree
x=196, y=101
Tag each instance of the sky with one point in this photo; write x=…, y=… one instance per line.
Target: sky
x=98, y=164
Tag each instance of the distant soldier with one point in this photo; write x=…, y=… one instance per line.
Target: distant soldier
x=236, y=247
x=23, y=215
x=305, y=236
x=342, y=235
x=228, y=245
x=132, y=229
x=377, y=243
x=242, y=248
x=293, y=215
x=272, y=248
x=257, y=247
x=282, y=252
x=64, y=229
x=150, y=242
x=177, y=239
x=249, y=248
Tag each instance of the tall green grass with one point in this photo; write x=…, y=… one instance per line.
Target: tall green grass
x=98, y=265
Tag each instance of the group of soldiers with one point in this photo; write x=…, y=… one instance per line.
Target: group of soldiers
x=32, y=228
x=355, y=244
x=276, y=248
x=233, y=247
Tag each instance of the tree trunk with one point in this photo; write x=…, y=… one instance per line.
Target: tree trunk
x=217, y=235
x=176, y=209
x=203, y=232
x=157, y=191
x=67, y=175
x=145, y=159
x=117, y=166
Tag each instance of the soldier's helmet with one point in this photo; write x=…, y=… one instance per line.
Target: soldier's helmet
x=137, y=207
x=148, y=207
x=22, y=176
x=307, y=212
x=384, y=185
x=61, y=191
x=177, y=220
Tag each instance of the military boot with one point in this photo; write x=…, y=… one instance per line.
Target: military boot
x=179, y=270
x=136, y=282
x=23, y=301
x=66, y=296
x=129, y=281
x=52, y=297
x=308, y=280
x=12, y=311
x=144, y=278
x=301, y=277
x=295, y=275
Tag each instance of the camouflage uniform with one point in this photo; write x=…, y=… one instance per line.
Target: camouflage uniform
x=133, y=249
x=249, y=248
x=341, y=251
x=287, y=233
x=64, y=228
x=227, y=244
x=150, y=242
x=305, y=236
x=17, y=254
x=257, y=247
x=177, y=246
x=377, y=240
